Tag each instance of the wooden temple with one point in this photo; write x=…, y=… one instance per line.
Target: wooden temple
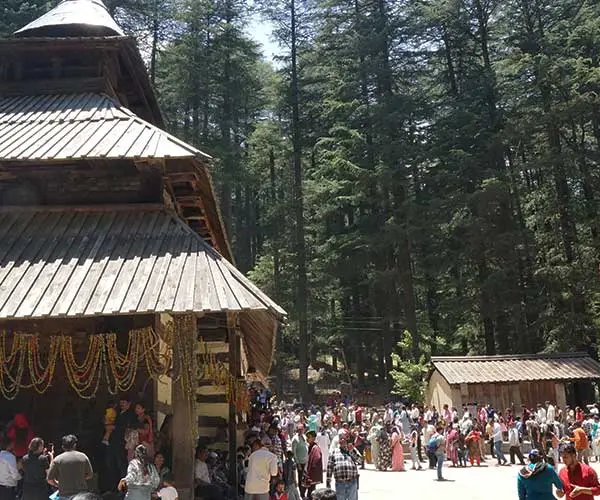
x=111, y=237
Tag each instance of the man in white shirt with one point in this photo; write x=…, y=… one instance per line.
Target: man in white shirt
x=540, y=414
x=204, y=486
x=428, y=415
x=550, y=413
x=262, y=466
x=323, y=442
x=9, y=475
x=497, y=437
x=414, y=413
x=514, y=443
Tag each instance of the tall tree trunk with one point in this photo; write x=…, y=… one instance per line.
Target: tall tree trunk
x=300, y=244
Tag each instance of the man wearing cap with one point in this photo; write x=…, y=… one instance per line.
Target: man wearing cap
x=579, y=480
x=342, y=467
x=536, y=479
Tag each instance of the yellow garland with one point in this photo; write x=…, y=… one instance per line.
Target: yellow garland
x=102, y=355
x=217, y=372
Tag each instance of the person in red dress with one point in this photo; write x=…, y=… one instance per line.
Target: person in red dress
x=580, y=481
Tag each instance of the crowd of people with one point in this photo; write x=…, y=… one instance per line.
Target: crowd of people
x=131, y=460
x=310, y=446
x=293, y=452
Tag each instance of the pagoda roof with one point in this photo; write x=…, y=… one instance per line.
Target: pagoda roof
x=81, y=126
x=74, y=18
x=136, y=259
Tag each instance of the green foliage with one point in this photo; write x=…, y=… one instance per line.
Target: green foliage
x=409, y=376
x=450, y=154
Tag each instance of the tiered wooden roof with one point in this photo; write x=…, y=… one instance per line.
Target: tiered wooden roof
x=81, y=126
x=76, y=107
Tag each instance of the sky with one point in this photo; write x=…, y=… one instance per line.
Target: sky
x=260, y=31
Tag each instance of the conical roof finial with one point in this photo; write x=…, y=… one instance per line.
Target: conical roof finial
x=73, y=18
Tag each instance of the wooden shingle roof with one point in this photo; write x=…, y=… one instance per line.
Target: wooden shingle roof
x=136, y=259
x=81, y=126
x=515, y=368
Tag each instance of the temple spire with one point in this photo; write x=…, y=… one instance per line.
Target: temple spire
x=73, y=18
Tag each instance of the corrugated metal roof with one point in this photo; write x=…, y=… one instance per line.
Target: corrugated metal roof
x=85, y=262
x=79, y=16
x=81, y=126
x=489, y=369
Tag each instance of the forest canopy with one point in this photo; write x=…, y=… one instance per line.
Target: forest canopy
x=411, y=167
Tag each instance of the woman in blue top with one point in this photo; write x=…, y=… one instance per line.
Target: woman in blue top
x=536, y=479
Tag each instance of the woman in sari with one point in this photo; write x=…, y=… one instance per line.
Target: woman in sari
x=473, y=442
x=372, y=437
x=397, y=450
x=384, y=458
x=451, y=444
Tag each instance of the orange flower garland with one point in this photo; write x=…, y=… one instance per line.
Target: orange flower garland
x=102, y=355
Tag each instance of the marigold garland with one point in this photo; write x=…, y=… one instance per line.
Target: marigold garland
x=102, y=356
x=209, y=368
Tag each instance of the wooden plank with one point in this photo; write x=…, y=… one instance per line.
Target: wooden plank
x=226, y=298
x=124, y=280
x=33, y=243
x=157, y=275
x=211, y=390
x=205, y=294
x=144, y=269
x=115, y=260
x=51, y=86
x=50, y=237
x=212, y=409
x=202, y=382
x=73, y=275
x=104, y=138
x=81, y=140
x=212, y=398
x=206, y=421
x=79, y=247
x=12, y=245
x=213, y=347
x=208, y=431
x=96, y=264
x=184, y=300
x=172, y=279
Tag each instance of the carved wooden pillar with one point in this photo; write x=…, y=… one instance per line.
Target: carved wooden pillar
x=183, y=400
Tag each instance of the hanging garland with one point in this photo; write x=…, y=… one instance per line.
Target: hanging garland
x=102, y=356
x=185, y=371
x=209, y=368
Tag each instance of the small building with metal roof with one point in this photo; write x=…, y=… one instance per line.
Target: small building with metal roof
x=509, y=381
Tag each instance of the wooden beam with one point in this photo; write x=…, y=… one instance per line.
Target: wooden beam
x=212, y=398
x=72, y=85
x=183, y=406
x=234, y=362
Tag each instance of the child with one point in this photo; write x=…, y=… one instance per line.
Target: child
x=110, y=418
x=280, y=493
x=462, y=451
x=289, y=477
x=414, y=439
x=168, y=491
